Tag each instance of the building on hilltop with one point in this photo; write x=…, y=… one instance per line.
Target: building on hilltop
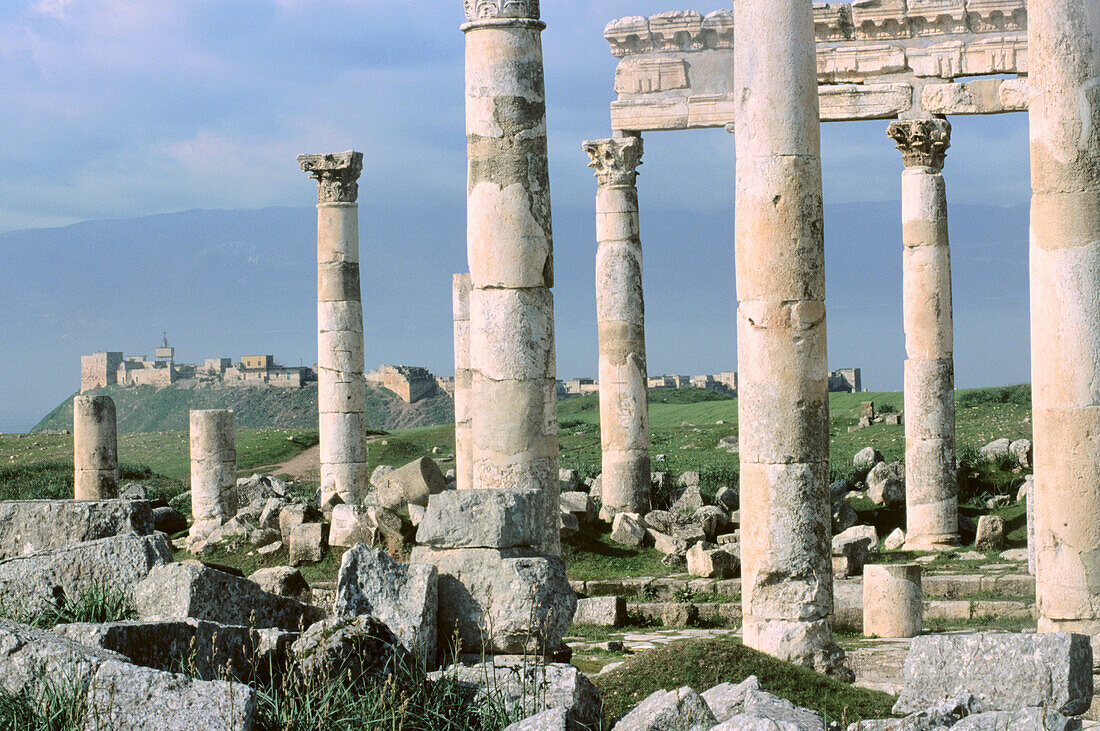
x=411, y=383
x=846, y=380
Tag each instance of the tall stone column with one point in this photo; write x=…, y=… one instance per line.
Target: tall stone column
x=931, y=478
x=464, y=446
x=1064, y=109
x=95, y=448
x=510, y=250
x=342, y=390
x=783, y=390
x=213, y=440
x=620, y=315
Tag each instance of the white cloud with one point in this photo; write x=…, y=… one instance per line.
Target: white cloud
x=53, y=8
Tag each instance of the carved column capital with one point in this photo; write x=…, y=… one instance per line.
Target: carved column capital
x=489, y=9
x=337, y=175
x=615, y=160
x=923, y=142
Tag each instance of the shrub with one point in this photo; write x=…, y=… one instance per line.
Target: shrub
x=1019, y=395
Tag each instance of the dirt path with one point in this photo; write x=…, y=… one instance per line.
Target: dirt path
x=305, y=466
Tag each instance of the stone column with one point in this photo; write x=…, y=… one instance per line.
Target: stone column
x=213, y=470
x=620, y=315
x=893, y=602
x=931, y=481
x=341, y=388
x=1064, y=109
x=464, y=455
x=510, y=250
x=783, y=405
x=95, y=448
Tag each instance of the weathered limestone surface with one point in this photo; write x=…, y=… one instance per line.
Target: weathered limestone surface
x=510, y=251
x=620, y=317
x=341, y=388
x=213, y=470
x=117, y=694
x=892, y=600
x=1005, y=671
x=483, y=519
x=783, y=405
x=27, y=526
x=1064, y=108
x=464, y=445
x=931, y=484
x=95, y=448
x=33, y=582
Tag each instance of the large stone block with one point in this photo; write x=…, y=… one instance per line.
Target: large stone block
x=483, y=519
x=283, y=581
x=117, y=694
x=413, y=483
x=350, y=647
x=371, y=525
x=307, y=543
x=179, y=591
x=36, y=581
x=210, y=650
x=404, y=597
x=1005, y=671
x=601, y=611
x=502, y=600
x=27, y=526
x=669, y=710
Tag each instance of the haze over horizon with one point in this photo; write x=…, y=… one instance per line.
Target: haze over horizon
x=117, y=111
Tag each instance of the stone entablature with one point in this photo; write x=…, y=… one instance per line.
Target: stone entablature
x=877, y=59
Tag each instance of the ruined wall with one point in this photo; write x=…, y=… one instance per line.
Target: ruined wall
x=99, y=370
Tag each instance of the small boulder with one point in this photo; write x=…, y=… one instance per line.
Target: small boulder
x=858, y=531
x=844, y=517
x=569, y=480
x=672, y=710
x=884, y=486
x=291, y=516
x=351, y=647
x=307, y=543
x=728, y=498
x=713, y=520
x=169, y=520
x=1021, y=450
x=690, y=500
x=580, y=505
x=866, y=459
x=284, y=581
x=996, y=450
x=689, y=479
x=895, y=540
x=708, y=562
x=627, y=530
x=728, y=699
x=991, y=533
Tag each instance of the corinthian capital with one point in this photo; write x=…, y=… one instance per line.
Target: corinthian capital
x=616, y=160
x=485, y=9
x=923, y=142
x=337, y=175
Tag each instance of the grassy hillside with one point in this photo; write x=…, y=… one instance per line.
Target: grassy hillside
x=144, y=409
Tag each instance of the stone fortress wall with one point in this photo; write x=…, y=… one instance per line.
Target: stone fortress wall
x=845, y=380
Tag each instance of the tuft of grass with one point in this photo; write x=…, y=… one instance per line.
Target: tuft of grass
x=53, y=705
x=703, y=664
x=98, y=603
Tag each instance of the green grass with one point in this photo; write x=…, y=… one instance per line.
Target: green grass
x=54, y=705
x=1003, y=624
x=244, y=557
x=702, y=664
x=99, y=603
x=591, y=554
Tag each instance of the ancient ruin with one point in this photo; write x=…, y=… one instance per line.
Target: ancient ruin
x=620, y=315
x=213, y=442
x=95, y=448
x=513, y=422
x=464, y=445
x=341, y=396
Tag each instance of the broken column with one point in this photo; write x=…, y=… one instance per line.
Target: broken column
x=783, y=389
x=464, y=457
x=931, y=482
x=620, y=315
x=510, y=250
x=893, y=602
x=95, y=448
x=213, y=470
x=1064, y=111
x=341, y=388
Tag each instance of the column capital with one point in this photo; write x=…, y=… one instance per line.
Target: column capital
x=492, y=9
x=616, y=160
x=923, y=142
x=337, y=175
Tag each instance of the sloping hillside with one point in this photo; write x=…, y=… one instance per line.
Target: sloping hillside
x=149, y=409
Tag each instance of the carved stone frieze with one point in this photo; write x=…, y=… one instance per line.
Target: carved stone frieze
x=615, y=160
x=833, y=21
x=937, y=17
x=923, y=142
x=648, y=75
x=337, y=175
x=488, y=9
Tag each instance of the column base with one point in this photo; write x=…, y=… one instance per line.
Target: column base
x=933, y=542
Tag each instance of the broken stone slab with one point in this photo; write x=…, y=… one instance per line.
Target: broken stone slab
x=728, y=699
x=502, y=600
x=579, y=504
x=690, y=500
x=765, y=711
x=569, y=525
x=27, y=526
x=519, y=683
x=33, y=583
x=351, y=647
x=895, y=540
x=118, y=694
x=713, y=520
x=483, y=519
x=554, y=719
x=168, y=520
x=1006, y=672
x=307, y=543
x=669, y=710
x=414, y=483
x=569, y=481
x=1044, y=719
x=858, y=531
x=295, y=514
x=403, y=596
x=886, y=485
x=991, y=533
x=179, y=591
x=283, y=581
x=206, y=650
x=844, y=517
x=627, y=530
x=676, y=525
x=372, y=525
x=666, y=544
x=601, y=611
x=708, y=562
x=942, y=715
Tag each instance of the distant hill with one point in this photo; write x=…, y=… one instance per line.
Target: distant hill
x=149, y=409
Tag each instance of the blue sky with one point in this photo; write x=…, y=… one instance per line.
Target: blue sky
x=117, y=109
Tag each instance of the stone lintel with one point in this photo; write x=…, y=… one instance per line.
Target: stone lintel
x=923, y=142
x=615, y=160
x=336, y=173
